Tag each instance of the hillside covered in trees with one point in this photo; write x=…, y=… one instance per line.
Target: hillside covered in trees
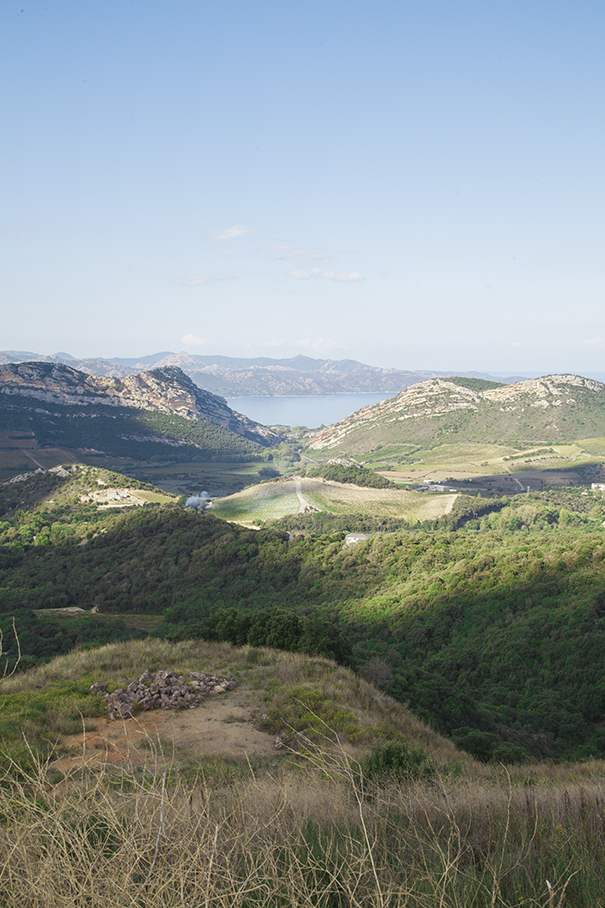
x=489, y=622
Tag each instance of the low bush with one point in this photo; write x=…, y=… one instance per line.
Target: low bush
x=396, y=761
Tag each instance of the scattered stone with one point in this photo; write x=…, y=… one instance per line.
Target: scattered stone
x=99, y=688
x=164, y=690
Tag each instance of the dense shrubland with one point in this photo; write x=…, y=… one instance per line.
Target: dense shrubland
x=359, y=476
x=491, y=621
x=124, y=432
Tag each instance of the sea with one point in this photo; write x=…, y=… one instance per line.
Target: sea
x=312, y=412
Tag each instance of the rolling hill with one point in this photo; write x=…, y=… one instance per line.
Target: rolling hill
x=489, y=621
x=300, y=495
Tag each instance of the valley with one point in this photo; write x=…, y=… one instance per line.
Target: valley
x=408, y=619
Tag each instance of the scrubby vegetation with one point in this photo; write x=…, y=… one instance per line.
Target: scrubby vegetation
x=276, y=627
x=359, y=476
x=475, y=384
x=124, y=432
x=490, y=621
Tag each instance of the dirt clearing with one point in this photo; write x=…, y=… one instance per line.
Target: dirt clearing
x=223, y=726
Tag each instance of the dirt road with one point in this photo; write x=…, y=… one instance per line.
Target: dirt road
x=303, y=503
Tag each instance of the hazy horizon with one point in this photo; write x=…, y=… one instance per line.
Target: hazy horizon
x=497, y=374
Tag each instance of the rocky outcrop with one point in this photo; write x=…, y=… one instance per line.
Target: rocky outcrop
x=530, y=407
x=166, y=390
x=162, y=690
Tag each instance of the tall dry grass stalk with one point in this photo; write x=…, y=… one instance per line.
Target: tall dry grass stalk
x=314, y=835
x=6, y=672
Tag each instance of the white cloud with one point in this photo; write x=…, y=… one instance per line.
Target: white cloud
x=306, y=274
x=518, y=344
x=593, y=342
x=190, y=340
x=220, y=236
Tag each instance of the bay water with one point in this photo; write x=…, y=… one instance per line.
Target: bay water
x=312, y=412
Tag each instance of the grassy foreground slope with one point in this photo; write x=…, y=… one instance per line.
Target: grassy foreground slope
x=287, y=694
x=363, y=806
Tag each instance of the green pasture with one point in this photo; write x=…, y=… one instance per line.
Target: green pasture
x=474, y=460
x=154, y=497
x=272, y=500
x=268, y=501
x=593, y=446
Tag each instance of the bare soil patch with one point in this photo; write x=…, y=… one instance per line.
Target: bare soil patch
x=223, y=726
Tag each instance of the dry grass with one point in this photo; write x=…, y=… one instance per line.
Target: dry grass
x=310, y=837
x=312, y=832
x=51, y=701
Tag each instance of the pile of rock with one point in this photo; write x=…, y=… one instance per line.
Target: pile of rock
x=164, y=690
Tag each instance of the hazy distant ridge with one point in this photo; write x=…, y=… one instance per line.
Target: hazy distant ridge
x=254, y=377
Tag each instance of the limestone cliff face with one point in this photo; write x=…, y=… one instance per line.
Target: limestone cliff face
x=535, y=403
x=165, y=390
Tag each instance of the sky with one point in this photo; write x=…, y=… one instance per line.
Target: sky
x=416, y=184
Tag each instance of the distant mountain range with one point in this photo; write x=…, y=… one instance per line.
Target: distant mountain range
x=139, y=416
x=299, y=376
x=551, y=409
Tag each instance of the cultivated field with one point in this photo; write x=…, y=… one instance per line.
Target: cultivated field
x=503, y=469
x=193, y=477
x=272, y=500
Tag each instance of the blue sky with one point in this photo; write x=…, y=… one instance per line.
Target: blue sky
x=411, y=184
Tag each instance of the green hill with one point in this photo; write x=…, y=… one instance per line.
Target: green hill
x=548, y=410
x=296, y=495
x=488, y=619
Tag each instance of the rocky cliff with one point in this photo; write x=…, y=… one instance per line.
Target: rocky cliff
x=551, y=408
x=164, y=390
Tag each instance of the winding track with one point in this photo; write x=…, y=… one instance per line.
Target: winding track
x=303, y=503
